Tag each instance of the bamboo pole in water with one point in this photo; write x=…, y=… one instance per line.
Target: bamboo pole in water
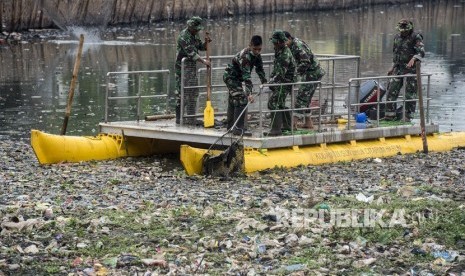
x=72, y=85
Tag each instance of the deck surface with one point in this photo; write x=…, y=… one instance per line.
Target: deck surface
x=168, y=130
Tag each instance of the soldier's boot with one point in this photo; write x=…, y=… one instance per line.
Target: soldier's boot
x=299, y=120
x=308, y=124
x=287, y=121
x=390, y=116
x=240, y=126
x=276, y=124
x=409, y=110
x=391, y=111
x=178, y=114
x=230, y=116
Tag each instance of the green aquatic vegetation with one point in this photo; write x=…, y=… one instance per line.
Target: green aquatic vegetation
x=441, y=220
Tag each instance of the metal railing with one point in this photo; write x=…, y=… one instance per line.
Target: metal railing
x=332, y=87
x=305, y=110
x=330, y=82
x=379, y=100
x=139, y=95
x=333, y=82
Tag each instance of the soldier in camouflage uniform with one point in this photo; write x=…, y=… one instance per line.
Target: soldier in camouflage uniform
x=408, y=48
x=283, y=72
x=238, y=71
x=188, y=46
x=308, y=69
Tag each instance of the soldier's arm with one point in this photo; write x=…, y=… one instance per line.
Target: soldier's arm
x=419, y=51
x=419, y=46
x=280, y=70
x=190, y=49
x=304, y=61
x=246, y=71
x=202, y=45
x=260, y=71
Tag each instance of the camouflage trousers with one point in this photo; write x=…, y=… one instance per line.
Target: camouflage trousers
x=306, y=91
x=237, y=99
x=277, y=99
x=237, y=96
x=190, y=94
x=394, y=87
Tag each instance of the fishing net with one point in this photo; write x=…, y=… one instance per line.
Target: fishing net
x=228, y=163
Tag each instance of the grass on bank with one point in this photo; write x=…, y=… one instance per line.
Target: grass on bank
x=142, y=232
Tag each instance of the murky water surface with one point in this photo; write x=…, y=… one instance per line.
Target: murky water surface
x=35, y=76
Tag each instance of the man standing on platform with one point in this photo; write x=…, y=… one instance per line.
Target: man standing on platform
x=308, y=69
x=283, y=72
x=188, y=46
x=238, y=71
x=408, y=48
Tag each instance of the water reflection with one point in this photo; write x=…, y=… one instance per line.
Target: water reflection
x=35, y=77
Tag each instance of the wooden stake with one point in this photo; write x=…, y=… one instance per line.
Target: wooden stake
x=73, y=85
x=159, y=117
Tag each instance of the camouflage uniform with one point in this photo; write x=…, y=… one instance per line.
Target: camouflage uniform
x=308, y=68
x=283, y=72
x=404, y=49
x=188, y=47
x=238, y=71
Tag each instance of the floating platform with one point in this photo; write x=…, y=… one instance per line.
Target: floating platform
x=334, y=144
x=132, y=138
x=330, y=142
x=262, y=159
x=51, y=148
x=204, y=137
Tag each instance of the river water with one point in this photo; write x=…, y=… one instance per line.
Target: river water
x=35, y=75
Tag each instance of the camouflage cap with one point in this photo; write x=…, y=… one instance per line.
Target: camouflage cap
x=195, y=22
x=404, y=25
x=278, y=36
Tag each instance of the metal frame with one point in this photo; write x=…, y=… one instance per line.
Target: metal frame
x=325, y=58
x=139, y=96
x=378, y=102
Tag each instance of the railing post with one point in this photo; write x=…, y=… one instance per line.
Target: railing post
x=292, y=109
x=168, y=91
x=107, y=94
x=377, y=104
x=260, y=119
x=428, y=98
x=138, y=95
x=349, y=104
x=403, y=97
x=319, y=107
x=333, y=81
x=181, y=108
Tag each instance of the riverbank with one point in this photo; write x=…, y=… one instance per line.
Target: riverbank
x=145, y=216
x=21, y=15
